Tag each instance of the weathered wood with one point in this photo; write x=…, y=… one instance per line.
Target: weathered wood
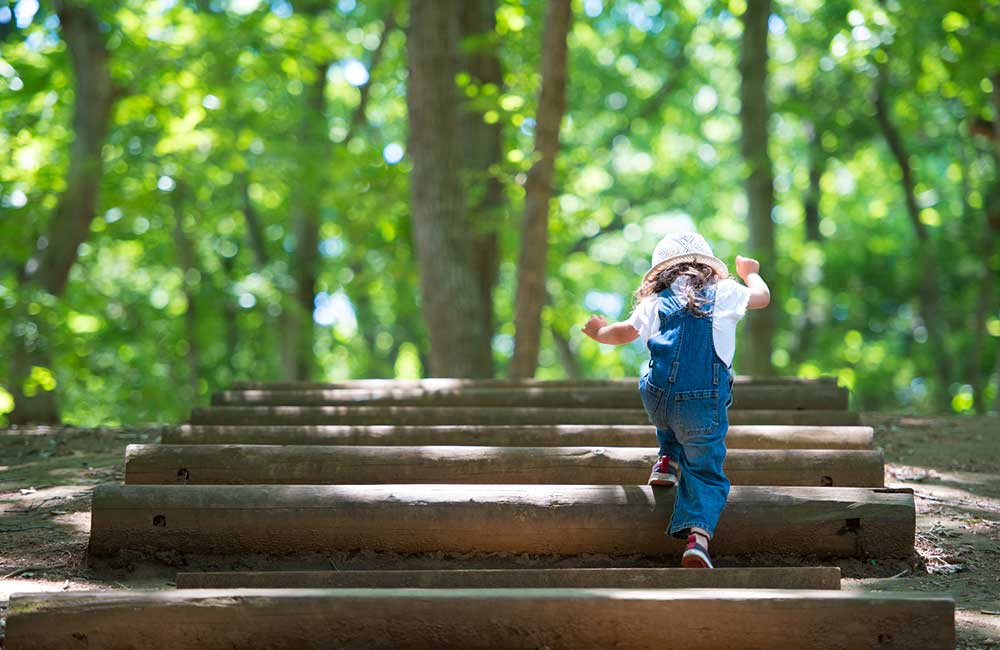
x=484, y=415
x=555, y=435
x=760, y=326
x=480, y=618
x=539, y=186
x=538, y=519
x=350, y=465
x=819, y=397
x=455, y=382
x=643, y=578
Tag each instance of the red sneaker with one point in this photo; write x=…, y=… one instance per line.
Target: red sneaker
x=696, y=556
x=664, y=472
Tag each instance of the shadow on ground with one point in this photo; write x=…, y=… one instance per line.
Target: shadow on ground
x=952, y=463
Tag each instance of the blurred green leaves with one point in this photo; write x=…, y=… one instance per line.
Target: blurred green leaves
x=212, y=107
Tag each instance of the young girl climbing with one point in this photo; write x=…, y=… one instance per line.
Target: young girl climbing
x=686, y=312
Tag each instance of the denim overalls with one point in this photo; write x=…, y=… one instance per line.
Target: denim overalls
x=687, y=392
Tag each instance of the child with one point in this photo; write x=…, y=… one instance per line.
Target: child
x=686, y=312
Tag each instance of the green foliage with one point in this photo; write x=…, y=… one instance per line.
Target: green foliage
x=213, y=122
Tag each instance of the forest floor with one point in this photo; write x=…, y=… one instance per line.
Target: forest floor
x=952, y=463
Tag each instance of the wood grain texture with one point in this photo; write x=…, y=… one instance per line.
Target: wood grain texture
x=601, y=578
x=538, y=519
x=486, y=415
x=777, y=397
x=349, y=465
x=480, y=618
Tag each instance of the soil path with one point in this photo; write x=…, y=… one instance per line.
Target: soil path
x=952, y=463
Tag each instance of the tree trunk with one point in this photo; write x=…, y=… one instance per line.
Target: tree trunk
x=810, y=205
x=255, y=232
x=976, y=377
x=360, y=117
x=48, y=269
x=930, y=292
x=230, y=313
x=977, y=368
x=187, y=260
x=299, y=331
x=995, y=214
x=483, y=149
x=565, y=353
x=759, y=183
x=451, y=297
x=531, y=292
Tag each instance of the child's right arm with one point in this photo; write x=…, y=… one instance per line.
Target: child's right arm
x=747, y=268
x=598, y=329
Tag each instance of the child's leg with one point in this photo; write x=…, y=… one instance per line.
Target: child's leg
x=669, y=446
x=703, y=488
x=667, y=465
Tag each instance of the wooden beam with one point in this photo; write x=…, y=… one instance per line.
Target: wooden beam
x=350, y=465
x=777, y=397
x=599, y=578
x=481, y=618
x=484, y=415
x=641, y=578
x=537, y=519
x=448, y=382
x=553, y=435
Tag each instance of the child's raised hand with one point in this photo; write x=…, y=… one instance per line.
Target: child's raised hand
x=745, y=266
x=593, y=326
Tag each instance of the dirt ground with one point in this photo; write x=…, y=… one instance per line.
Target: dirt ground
x=952, y=464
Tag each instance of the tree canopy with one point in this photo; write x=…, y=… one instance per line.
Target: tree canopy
x=235, y=122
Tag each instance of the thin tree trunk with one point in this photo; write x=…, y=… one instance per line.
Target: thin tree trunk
x=976, y=377
x=255, y=235
x=995, y=214
x=754, y=114
x=230, y=314
x=483, y=149
x=810, y=205
x=930, y=292
x=565, y=353
x=810, y=208
x=538, y=191
x=187, y=259
x=360, y=117
x=451, y=298
x=297, y=335
x=255, y=232
x=368, y=323
x=48, y=269
x=976, y=368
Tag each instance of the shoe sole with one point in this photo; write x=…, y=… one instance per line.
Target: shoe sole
x=696, y=560
x=663, y=480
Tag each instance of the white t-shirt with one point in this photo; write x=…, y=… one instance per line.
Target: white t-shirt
x=731, y=299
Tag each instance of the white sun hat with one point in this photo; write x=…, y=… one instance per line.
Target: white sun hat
x=680, y=247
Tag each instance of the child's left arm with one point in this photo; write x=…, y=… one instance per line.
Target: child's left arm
x=748, y=269
x=619, y=333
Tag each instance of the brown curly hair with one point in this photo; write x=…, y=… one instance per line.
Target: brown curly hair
x=699, y=276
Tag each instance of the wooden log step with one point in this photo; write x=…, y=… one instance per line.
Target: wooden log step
x=536, y=519
x=791, y=396
x=645, y=578
x=350, y=465
x=480, y=618
x=484, y=415
x=556, y=435
x=453, y=382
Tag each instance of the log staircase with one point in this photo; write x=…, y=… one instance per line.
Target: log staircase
x=502, y=469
